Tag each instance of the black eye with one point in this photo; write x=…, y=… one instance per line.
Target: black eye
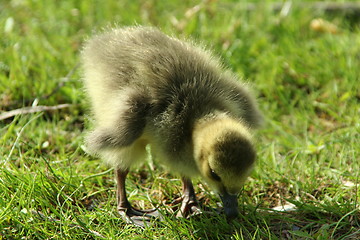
x=214, y=175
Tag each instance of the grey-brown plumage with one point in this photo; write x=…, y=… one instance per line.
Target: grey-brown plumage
x=148, y=88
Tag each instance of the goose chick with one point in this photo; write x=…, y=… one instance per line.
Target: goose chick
x=149, y=88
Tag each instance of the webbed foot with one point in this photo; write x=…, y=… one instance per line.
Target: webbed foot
x=140, y=218
x=189, y=208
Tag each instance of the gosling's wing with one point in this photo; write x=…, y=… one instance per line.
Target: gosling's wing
x=126, y=124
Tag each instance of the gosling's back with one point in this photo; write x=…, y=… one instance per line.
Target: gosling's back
x=166, y=83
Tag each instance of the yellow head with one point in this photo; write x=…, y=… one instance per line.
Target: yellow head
x=225, y=156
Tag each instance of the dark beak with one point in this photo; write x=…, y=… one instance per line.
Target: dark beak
x=230, y=203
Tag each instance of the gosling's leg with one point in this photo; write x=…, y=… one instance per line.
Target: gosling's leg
x=129, y=214
x=189, y=204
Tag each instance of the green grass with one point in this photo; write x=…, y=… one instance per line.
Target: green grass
x=307, y=83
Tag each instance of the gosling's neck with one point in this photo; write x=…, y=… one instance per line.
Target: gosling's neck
x=209, y=129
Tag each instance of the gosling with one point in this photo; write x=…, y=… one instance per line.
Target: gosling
x=149, y=88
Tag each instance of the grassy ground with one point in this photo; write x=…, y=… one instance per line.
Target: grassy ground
x=307, y=81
